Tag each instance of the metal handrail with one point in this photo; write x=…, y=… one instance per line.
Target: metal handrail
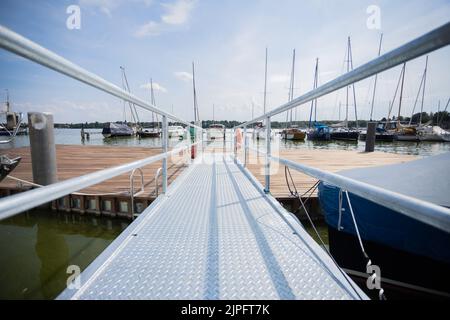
x=429, y=42
x=424, y=211
x=28, y=49
x=158, y=173
x=132, y=188
x=21, y=202
x=15, y=43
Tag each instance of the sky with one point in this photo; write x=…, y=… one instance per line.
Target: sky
x=226, y=39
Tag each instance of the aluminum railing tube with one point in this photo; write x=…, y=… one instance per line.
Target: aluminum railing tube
x=429, y=42
x=21, y=202
x=13, y=42
x=426, y=212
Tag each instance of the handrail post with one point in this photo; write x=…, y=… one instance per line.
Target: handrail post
x=165, y=142
x=132, y=188
x=233, y=141
x=268, y=154
x=245, y=146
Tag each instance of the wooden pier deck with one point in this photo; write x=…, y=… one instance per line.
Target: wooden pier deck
x=330, y=160
x=75, y=160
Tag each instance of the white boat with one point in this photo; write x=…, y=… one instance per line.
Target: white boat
x=260, y=132
x=10, y=122
x=176, y=132
x=216, y=131
x=433, y=133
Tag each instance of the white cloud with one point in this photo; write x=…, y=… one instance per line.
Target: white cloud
x=107, y=6
x=279, y=78
x=151, y=28
x=183, y=76
x=178, y=12
x=156, y=86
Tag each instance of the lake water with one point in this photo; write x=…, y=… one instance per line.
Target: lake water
x=37, y=247
x=73, y=137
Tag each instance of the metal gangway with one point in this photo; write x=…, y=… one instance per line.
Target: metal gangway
x=216, y=232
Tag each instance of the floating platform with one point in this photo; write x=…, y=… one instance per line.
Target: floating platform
x=112, y=197
x=214, y=235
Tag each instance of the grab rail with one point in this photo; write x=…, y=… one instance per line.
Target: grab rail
x=21, y=202
x=28, y=49
x=132, y=188
x=424, y=211
x=15, y=43
x=158, y=172
x=431, y=41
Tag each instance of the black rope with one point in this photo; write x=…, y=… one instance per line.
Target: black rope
x=312, y=189
x=294, y=192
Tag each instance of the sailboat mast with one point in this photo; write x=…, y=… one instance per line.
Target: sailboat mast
x=196, y=113
x=438, y=111
x=134, y=114
x=315, y=87
x=213, y=111
x=376, y=78
x=353, y=86
x=417, y=97
x=401, y=94
x=253, y=110
x=265, y=84
x=339, y=111
x=348, y=70
x=7, y=100
x=443, y=113
x=152, y=98
x=291, y=85
x=423, y=89
x=314, y=102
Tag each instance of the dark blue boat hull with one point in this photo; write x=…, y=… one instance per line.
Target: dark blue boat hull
x=406, y=250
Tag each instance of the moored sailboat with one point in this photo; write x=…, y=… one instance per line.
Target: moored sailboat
x=216, y=131
x=292, y=132
x=380, y=131
x=320, y=132
x=342, y=131
x=13, y=121
x=117, y=129
x=434, y=132
x=316, y=131
x=260, y=130
x=154, y=131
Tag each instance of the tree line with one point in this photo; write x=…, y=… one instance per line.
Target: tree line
x=441, y=118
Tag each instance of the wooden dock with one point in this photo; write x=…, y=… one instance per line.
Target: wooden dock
x=330, y=160
x=112, y=197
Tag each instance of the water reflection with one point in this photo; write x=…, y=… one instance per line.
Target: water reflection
x=37, y=247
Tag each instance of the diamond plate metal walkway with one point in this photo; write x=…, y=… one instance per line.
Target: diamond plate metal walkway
x=215, y=235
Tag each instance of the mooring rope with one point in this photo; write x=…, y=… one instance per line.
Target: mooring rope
x=373, y=276
x=311, y=190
